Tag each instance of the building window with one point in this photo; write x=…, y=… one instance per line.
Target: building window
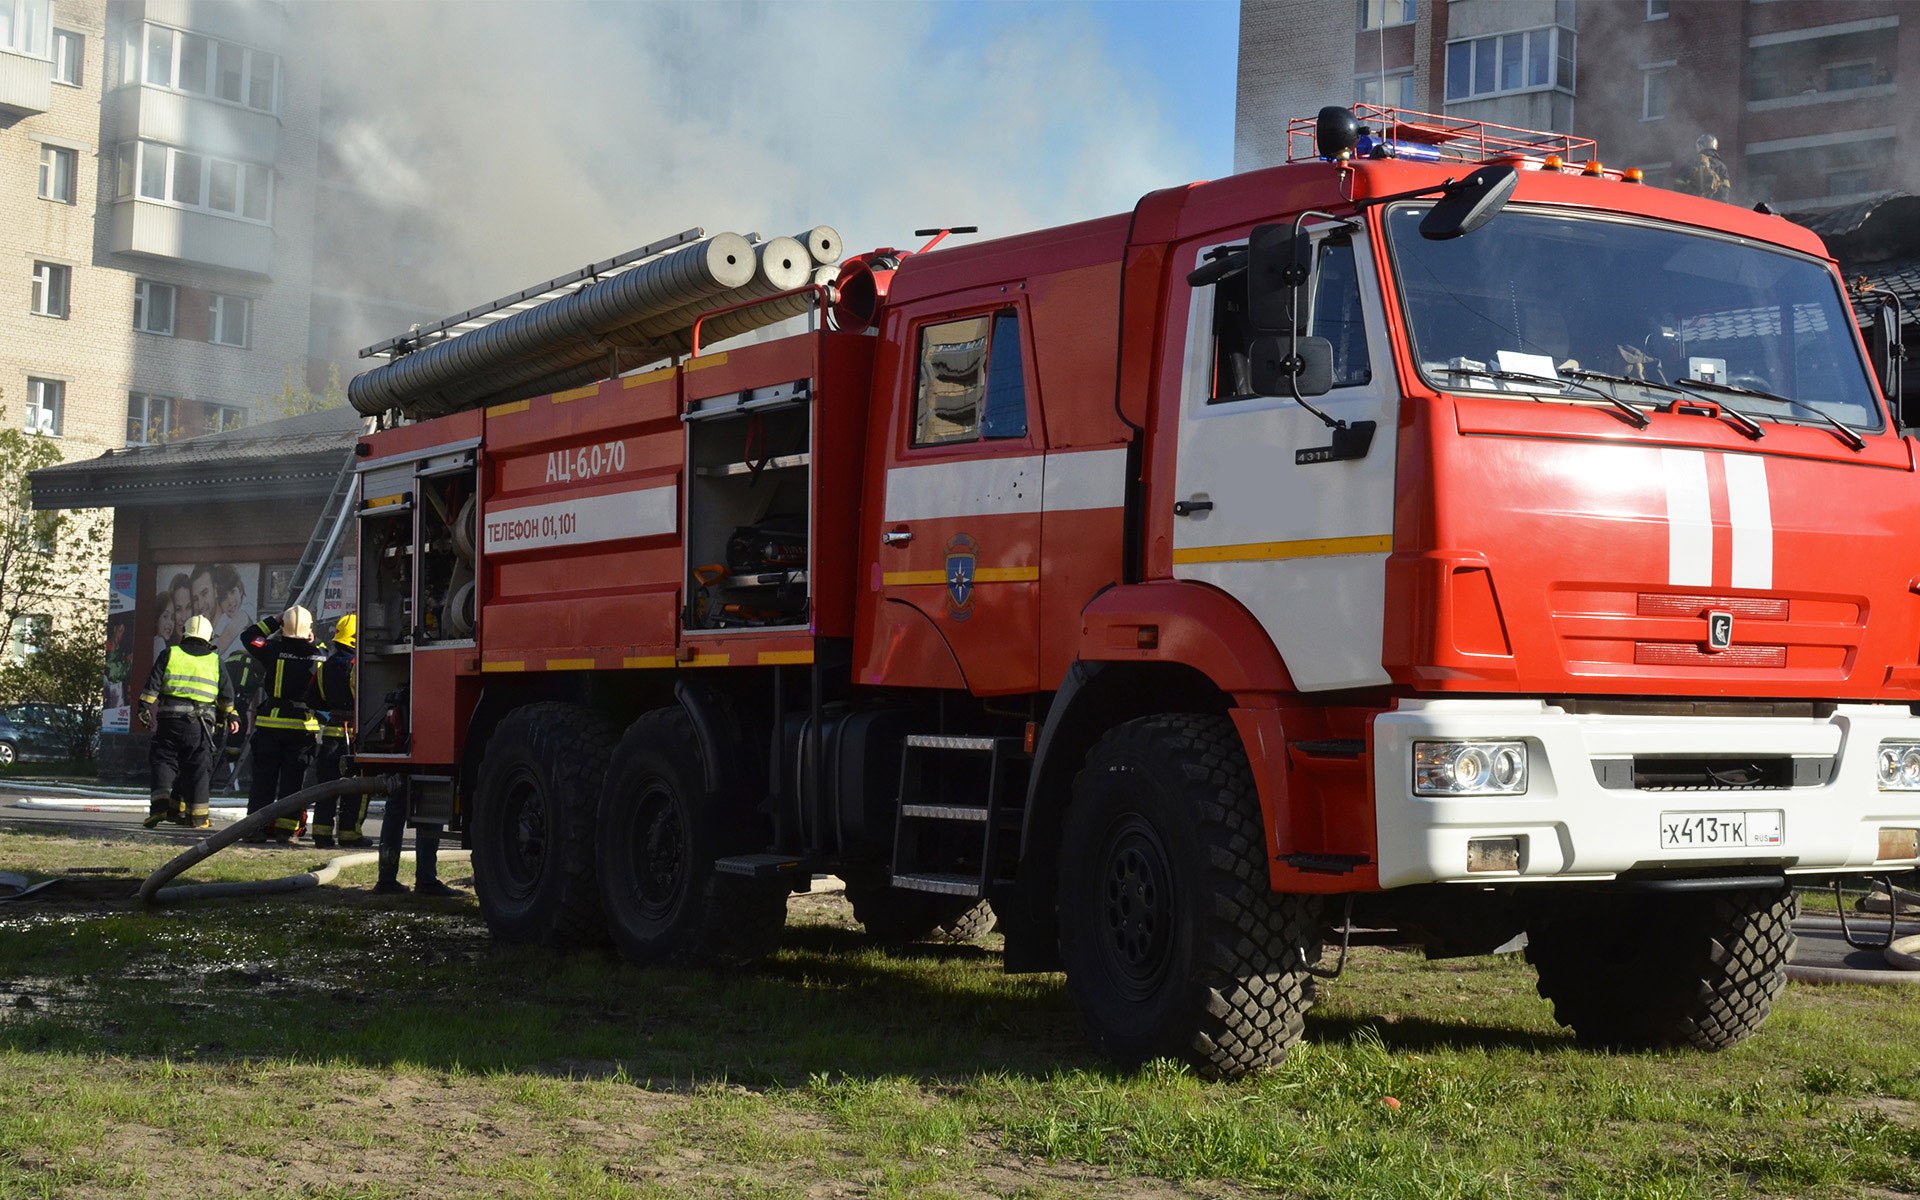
x=46, y=405
x=1394, y=91
x=1848, y=75
x=58, y=166
x=26, y=27
x=49, y=293
x=216, y=185
x=1653, y=93
x=218, y=418
x=1849, y=180
x=149, y=419
x=1657, y=10
x=972, y=385
x=201, y=66
x=1529, y=60
x=69, y=50
x=29, y=634
x=153, y=305
x=1377, y=14
x=228, y=326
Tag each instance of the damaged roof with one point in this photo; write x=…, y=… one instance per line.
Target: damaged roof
x=296, y=457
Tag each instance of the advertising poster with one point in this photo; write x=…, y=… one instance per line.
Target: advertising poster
x=336, y=593
x=116, y=709
x=227, y=594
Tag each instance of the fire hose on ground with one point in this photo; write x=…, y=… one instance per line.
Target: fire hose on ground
x=155, y=891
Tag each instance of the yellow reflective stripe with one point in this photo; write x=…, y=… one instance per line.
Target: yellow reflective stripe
x=306, y=723
x=191, y=676
x=1269, y=551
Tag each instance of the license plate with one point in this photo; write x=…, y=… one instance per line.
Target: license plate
x=1708, y=830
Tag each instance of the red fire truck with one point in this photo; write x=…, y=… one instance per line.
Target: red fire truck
x=1440, y=533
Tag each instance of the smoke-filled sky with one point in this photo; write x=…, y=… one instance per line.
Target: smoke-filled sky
x=547, y=135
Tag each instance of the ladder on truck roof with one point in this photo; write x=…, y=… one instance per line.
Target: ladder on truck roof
x=482, y=315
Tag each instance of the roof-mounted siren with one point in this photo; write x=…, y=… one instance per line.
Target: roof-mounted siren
x=862, y=288
x=1336, y=133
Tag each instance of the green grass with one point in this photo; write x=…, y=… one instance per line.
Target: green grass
x=339, y=1044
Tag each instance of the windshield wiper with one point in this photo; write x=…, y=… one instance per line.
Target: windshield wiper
x=1853, y=440
x=1746, y=424
x=1635, y=417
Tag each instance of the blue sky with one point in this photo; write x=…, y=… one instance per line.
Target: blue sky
x=1185, y=51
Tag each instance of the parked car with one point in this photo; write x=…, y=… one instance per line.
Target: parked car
x=37, y=732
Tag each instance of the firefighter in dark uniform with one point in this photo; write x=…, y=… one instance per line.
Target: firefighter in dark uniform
x=331, y=698
x=245, y=676
x=185, y=691
x=284, y=727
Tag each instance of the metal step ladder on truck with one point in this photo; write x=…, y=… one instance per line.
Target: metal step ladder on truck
x=1439, y=533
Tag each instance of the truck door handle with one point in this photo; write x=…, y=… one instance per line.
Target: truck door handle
x=1187, y=508
x=897, y=537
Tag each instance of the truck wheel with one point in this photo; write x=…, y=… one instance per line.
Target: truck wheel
x=532, y=829
x=1173, y=941
x=660, y=831
x=1694, y=969
x=896, y=916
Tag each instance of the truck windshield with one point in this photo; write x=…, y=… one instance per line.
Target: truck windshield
x=1610, y=303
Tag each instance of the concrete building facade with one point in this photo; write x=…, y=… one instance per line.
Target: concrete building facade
x=1804, y=96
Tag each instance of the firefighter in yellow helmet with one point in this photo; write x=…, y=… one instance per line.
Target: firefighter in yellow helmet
x=284, y=728
x=185, y=692
x=330, y=695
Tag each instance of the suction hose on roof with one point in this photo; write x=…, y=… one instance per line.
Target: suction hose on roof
x=259, y=822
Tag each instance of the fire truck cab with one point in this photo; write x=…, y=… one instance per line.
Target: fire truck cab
x=1439, y=532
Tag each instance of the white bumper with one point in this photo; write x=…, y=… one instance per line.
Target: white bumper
x=1570, y=826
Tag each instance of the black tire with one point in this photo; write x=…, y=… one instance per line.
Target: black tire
x=660, y=832
x=1694, y=969
x=533, y=825
x=8, y=754
x=1174, y=943
x=895, y=916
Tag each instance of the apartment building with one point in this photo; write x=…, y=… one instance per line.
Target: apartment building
x=1803, y=96
x=156, y=214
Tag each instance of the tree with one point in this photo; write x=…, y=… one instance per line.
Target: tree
x=66, y=670
x=295, y=398
x=31, y=571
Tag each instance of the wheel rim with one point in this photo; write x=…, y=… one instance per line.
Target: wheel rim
x=659, y=848
x=524, y=820
x=1135, y=933
x=6, y=754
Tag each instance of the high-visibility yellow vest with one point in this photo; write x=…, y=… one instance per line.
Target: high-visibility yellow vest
x=190, y=676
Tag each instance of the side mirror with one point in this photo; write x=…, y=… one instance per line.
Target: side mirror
x=1278, y=266
x=1276, y=371
x=1470, y=203
x=1885, y=352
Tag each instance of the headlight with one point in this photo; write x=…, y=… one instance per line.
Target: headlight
x=1477, y=768
x=1899, y=767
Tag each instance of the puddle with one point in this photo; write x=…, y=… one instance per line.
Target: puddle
x=27, y=997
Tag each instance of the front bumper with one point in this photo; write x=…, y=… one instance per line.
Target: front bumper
x=1571, y=825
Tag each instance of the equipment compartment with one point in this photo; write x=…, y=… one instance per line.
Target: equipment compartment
x=749, y=521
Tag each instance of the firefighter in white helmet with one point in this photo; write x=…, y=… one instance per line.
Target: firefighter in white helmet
x=285, y=728
x=186, y=691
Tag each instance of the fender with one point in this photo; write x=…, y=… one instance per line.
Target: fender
x=718, y=736
x=1190, y=624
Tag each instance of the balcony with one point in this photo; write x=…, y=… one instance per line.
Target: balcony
x=195, y=123
x=163, y=231
x=26, y=83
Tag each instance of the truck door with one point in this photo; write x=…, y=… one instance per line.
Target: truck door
x=956, y=539
x=1263, y=514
